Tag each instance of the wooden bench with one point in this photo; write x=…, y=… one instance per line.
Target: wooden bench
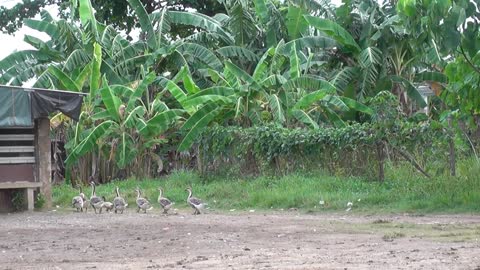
x=28, y=186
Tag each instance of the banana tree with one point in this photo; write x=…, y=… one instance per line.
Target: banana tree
x=373, y=54
x=291, y=96
x=128, y=129
x=273, y=93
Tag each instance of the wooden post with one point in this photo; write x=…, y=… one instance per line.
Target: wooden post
x=43, y=156
x=30, y=199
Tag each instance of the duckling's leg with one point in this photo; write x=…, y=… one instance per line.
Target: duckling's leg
x=94, y=209
x=138, y=209
x=100, y=210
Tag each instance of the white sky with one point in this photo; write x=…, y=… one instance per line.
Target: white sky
x=11, y=43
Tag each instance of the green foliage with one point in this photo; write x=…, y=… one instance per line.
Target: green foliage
x=275, y=67
x=39, y=201
x=407, y=7
x=87, y=16
x=19, y=199
x=125, y=134
x=296, y=24
x=335, y=31
x=411, y=90
x=351, y=148
x=461, y=94
x=403, y=191
x=145, y=22
x=116, y=13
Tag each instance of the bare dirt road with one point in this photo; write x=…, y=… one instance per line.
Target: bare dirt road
x=271, y=240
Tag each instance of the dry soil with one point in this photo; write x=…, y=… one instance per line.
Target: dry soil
x=238, y=240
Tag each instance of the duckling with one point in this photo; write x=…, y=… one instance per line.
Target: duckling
x=86, y=201
x=195, y=203
x=107, y=205
x=95, y=201
x=142, y=203
x=119, y=203
x=79, y=200
x=165, y=203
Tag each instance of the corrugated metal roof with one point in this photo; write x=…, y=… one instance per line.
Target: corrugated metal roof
x=32, y=89
x=425, y=90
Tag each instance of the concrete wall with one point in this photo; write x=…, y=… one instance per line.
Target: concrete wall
x=43, y=156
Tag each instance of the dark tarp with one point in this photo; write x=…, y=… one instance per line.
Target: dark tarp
x=15, y=110
x=45, y=102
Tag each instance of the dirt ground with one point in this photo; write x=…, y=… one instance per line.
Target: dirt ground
x=238, y=240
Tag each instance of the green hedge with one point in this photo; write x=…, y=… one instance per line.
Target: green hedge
x=349, y=150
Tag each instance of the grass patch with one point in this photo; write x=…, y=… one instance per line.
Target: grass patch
x=389, y=237
x=403, y=191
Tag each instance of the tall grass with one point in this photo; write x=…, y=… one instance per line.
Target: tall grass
x=404, y=190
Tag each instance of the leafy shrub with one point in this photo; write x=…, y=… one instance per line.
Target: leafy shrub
x=346, y=151
x=39, y=201
x=18, y=200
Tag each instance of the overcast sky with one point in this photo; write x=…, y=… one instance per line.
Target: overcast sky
x=10, y=43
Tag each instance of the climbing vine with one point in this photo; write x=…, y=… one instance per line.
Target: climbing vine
x=349, y=149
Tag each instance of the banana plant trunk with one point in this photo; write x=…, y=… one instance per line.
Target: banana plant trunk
x=381, y=161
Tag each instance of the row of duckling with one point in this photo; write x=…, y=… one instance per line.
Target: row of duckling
x=119, y=204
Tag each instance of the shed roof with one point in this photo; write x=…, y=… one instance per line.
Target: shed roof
x=21, y=105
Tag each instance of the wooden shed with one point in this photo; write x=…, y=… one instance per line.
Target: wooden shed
x=25, y=150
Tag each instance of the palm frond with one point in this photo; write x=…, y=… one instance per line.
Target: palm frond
x=200, y=21
x=201, y=54
x=335, y=31
x=242, y=25
x=296, y=23
x=370, y=58
x=276, y=107
x=343, y=77
x=238, y=52
x=308, y=42
x=145, y=22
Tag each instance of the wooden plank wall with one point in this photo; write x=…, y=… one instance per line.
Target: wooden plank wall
x=17, y=155
x=17, y=162
x=6, y=196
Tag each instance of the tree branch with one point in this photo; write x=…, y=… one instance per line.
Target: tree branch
x=468, y=60
x=411, y=160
